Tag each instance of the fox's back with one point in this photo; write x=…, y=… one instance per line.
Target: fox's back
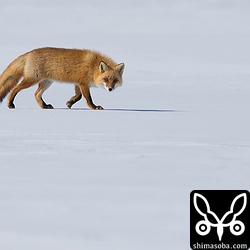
x=63, y=64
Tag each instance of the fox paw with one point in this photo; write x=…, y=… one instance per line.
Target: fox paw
x=69, y=104
x=48, y=106
x=11, y=105
x=99, y=108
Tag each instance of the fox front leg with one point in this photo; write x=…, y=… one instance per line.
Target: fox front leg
x=75, y=98
x=86, y=93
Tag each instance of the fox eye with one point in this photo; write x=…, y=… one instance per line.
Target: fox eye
x=115, y=81
x=105, y=79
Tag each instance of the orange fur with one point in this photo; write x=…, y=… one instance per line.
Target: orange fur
x=42, y=66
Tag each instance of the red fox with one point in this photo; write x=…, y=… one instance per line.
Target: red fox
x=84, y=68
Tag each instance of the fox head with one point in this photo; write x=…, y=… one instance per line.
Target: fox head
x=110, y=77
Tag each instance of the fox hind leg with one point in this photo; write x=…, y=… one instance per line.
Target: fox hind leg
x=24, y=84
x=42, y=86
x=75, y=98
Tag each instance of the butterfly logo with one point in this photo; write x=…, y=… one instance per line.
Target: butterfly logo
x=229, y=219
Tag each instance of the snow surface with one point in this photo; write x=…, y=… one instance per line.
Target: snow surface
x=121, y=178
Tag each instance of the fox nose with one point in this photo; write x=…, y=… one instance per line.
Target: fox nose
x=110, y=89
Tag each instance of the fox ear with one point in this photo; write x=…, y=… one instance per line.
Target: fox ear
x=120, y=68
x=103, y=67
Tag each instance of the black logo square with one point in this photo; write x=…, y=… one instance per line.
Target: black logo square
x=219, y=219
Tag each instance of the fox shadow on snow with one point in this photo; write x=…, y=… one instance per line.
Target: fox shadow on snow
x=131, y=110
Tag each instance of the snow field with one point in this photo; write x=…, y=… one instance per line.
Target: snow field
x=121, y=178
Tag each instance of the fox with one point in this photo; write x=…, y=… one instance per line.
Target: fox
x=83, y=68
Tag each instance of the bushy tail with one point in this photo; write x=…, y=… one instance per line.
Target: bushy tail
x=11, y=76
